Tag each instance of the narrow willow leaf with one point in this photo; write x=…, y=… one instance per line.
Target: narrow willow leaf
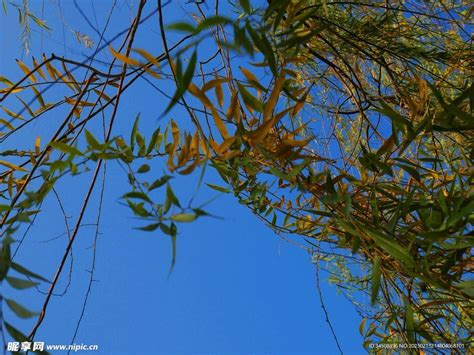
x=148, y=57
x=26, y=70
x=212, y=21
x=182, y=26
x=159, y=182
x=184, y=217
x=376, y=274
x=64, y=148
x=38, y=96
x=11, y=166
x=150, y=227
x=249, y=99
x=392, y=247
x=245, y=4
x=20, y=284
x=124, y=58
x=137, y=195
x=93, y=143
x=273, y=99
x=15, y=333
x=38, y=69
x=6, y=124
x=409, y=320
x=218, y=188
x=143, y=169
x=38, y=145
x=183, y=82
x=12, y=114
x=19, y=310
x=171, y=196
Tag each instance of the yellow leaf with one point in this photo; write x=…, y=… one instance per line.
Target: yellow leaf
x=38, y=69
x=50, y=69
x=152, y=73
x=38, y=96
x=204, y=147
x=219, y=95
x=78, y=103
x=249, y=75
x=6, y=124
x=233, y=110
x=195, y=91
x=261, y=132
x=71, y=81
x=273, y=99
x=194, y=146
x=213, y=83
x=148, y=57
x=37, y=145
x=172, y=150
x=224, y=147
x=231, y=154
x=123, y=58
x=102, y=95
x=190, y=168
x=214, y=145
x=5, y=81
x=295, y=143
x=10, y=184
x=12, y=114
x=26, y=71
x=299, y=105
x=11, y=166
x=220, y=124
x=18, y=89
x=27, y=108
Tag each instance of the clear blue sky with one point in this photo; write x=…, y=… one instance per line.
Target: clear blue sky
x=236, y=287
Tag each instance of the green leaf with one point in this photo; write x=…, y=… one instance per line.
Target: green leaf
x=143, y=169
x=183, y=82
x=26, y=272
x=409, y=321
x=249, y=99
x=138, y=209
x=375, y=281
x=150, y=227
x=467, y=287
x=5, y=259
x=4, y=208
x=264, y=46
x=182, y=26
x=212, y=21
x=173, y=247
x=93, y=143
x=20, y=284
x=171, y=196
x=245, y=6
x=218, y=188
x=64, y=148
x=137, y=195
x=153, y=141
x=19, y=310
x=133, y=135
x=159, y=182
x=184, y=217
x=15, y=333
x=392, y=247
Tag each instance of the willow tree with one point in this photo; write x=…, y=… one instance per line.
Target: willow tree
x=344, y=125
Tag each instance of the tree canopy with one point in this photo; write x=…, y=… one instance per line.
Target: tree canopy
x=344, y=125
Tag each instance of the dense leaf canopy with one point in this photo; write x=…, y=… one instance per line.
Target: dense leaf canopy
x=344, y=125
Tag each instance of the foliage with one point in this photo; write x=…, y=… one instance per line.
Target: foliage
x=346, y=123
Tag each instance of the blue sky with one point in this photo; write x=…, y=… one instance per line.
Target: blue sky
x=236, y=286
